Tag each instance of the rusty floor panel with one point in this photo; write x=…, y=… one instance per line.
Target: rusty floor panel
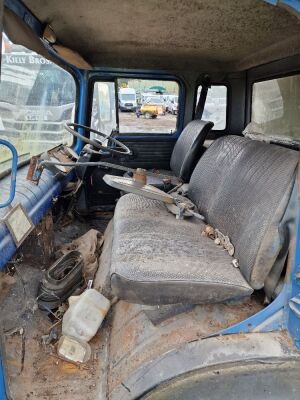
x=34, y=370
x=136, y=340
x=42, y=375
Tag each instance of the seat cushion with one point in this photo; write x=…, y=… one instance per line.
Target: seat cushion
x=156, y=259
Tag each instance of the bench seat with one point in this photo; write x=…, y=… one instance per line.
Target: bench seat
x=243, y=188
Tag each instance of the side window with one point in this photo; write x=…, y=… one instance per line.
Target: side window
x=215, y=108
x=275, y=107
x=37, y=98
x=104, y=108
x=143, y=106
x=147, y=106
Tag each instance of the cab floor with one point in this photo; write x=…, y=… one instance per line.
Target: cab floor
x=130, y=336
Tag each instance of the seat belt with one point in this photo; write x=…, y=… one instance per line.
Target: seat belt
x=202, y=99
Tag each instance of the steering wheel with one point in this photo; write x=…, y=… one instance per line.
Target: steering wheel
x=121, y=149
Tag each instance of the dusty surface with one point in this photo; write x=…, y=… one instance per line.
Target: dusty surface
x=143, y=341
x=127, y=340
x=195, y=35
x=34, y=370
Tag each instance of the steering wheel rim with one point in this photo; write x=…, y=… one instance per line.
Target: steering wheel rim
x=70, y=128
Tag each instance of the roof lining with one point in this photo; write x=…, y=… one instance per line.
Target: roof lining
x=106, y=37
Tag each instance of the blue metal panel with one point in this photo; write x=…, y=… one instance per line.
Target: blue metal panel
x=269, y=319
x=2, y=384
x=82, y=106
x=293, y=4
x=102, y=74
x=25, y=14
x=36, y=199
x=13, y=173
x=293, y=306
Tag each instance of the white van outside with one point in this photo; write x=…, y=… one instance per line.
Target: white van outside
x=127, y=99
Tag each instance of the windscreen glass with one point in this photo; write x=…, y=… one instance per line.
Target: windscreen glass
x=37, y=97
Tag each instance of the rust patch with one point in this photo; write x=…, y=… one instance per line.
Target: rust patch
x=45, y=376
x=39, y=246
x=6, y=281
x=137, y=340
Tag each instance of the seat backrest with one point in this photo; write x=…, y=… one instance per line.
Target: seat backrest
x=187, y=149
x=243, y=187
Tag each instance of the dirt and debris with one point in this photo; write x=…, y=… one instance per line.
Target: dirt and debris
x=127, y=337
x=219, y=238
x=89, y=245
x=30, y=337
x=6, y=281
x=39, y=246
x=209, y=232
x=142, y=341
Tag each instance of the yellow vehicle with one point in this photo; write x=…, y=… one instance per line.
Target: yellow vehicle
x=153, y=107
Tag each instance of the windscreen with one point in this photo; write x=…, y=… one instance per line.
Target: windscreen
x=127, y=96
x=154, y=100
x=37, y=97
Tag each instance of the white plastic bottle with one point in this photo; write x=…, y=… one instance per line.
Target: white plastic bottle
x=73, y=350
x=85, y=315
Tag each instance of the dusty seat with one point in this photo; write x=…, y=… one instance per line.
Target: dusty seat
x=157, y=259
x=243, y=188
x=186, y=152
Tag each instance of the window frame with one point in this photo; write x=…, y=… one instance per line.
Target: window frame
x=228, y=97
x=266, y=79
x=100, y=76
x=278, y=69
x=91, y=100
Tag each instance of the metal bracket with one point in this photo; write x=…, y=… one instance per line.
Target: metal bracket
x=294, y=305
x=294, y=308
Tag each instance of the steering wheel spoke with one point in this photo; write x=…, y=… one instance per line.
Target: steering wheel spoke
x=113, y=145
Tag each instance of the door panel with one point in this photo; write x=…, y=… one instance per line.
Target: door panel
x=148, y=154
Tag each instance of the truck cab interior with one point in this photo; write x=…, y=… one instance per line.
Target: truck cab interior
x=156, y=143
